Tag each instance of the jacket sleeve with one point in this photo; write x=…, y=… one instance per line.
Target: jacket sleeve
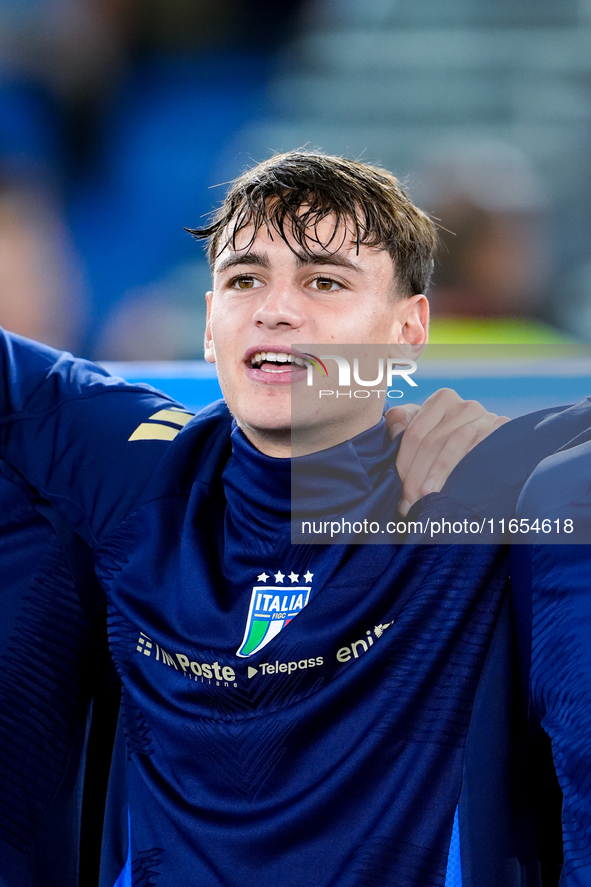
x=552, y=595
x=49, y=601
x=490, y=478
x=88, y=442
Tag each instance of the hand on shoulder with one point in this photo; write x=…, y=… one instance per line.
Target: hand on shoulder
x=436, y=437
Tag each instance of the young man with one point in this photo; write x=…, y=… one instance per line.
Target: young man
x=330, y=749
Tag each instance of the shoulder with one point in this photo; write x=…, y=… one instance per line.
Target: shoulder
x=560, y=487
x=490, y=478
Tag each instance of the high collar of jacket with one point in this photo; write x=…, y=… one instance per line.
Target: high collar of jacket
x=270, y=490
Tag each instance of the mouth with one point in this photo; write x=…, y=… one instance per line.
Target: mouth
x=276, y=367
x=277, y=361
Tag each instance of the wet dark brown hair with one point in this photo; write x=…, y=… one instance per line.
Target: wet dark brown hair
x=294, y=192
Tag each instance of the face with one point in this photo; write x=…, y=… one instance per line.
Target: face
x=267, y=298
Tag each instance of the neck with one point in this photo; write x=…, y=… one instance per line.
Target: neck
x=285, y=443
x=276, y=443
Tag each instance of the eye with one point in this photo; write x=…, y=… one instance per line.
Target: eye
x=325, y=284
x=245, y=282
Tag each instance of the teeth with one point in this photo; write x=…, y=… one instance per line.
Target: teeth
x=276, y=357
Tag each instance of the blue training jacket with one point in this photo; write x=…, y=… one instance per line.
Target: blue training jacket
x=291, y=715
x=50, y=606
x=553, y=603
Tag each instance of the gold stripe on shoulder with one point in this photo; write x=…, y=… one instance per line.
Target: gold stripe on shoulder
x=177, y=417
x=154, y=431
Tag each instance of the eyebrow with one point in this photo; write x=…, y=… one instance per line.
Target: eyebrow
x=303, y=259
x=259, y=259
x=327, y=259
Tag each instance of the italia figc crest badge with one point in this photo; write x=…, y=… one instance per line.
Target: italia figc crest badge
x=272, y=607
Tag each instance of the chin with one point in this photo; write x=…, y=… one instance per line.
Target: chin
x=264, y=414
x=272, y=425
x=272, y=428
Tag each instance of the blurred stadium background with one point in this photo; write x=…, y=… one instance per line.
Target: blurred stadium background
x=119, y=119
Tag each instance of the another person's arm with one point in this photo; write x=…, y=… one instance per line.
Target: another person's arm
x=436, y=437
x=552, y=605
x=86, y=441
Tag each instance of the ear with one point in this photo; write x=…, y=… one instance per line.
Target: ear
x=414, y=321
x=208, y=346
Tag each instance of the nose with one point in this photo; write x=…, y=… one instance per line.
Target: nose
x=280, y=307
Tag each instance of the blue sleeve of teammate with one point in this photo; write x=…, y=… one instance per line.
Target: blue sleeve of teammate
x=552, y=586
x=87, y=441
x=559, y=490
x=489, y=479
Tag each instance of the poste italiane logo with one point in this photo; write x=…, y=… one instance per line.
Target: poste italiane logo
x=272, y=607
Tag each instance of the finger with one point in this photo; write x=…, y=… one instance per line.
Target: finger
x=500, y=420
x=429, y=417
x=440, y=452
x=459, y=442
x=435, y=460
x=399, y=418
x=445, y=429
